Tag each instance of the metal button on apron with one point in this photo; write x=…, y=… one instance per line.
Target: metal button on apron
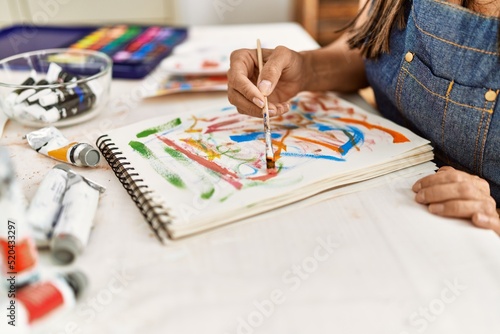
x=409, y=57
x=490, y=96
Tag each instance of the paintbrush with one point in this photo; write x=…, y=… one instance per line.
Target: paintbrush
x=265, y=116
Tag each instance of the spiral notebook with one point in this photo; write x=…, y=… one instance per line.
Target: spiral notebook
x=201, y=169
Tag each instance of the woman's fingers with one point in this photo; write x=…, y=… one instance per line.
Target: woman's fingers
x=450, y=191
x=453, y=193
x=278, y=60
x=491, y=222
x=246, y=107
x=242, y=70
x=462, y=208
x=447, y=175
x=247, y=87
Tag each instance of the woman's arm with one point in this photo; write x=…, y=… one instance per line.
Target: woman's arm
x=286, y=72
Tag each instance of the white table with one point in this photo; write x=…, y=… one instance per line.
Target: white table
x=391, y=267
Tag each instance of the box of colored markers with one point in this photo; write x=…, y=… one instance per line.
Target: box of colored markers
x=135, y=49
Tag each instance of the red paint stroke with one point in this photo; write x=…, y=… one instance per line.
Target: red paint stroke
x=226, y=174
x=270, y=174
x=219, y=126
x=398, y=137
x=209, y=64
x=330, y=146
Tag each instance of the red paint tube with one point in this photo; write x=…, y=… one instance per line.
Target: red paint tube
x=18, y=254
x=42, y=298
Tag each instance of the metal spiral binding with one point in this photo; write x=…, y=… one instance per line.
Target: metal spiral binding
x=157, y=215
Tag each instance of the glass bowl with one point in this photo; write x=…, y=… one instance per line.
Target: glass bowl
x=59, y=87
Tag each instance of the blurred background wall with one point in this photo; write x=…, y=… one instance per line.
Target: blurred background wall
x=321, y=18
x=185, y=12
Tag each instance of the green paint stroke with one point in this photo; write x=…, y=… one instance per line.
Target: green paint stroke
x=141, y=149
x=189, y=163
x=176, y=154
x=161, y=169
x=223, y=199
x=173, y=123
x=208, y=194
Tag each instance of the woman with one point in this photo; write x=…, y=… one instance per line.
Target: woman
x=434, y=67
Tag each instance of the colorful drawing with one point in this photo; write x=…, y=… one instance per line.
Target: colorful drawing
x=203, y=63
x=218, y=153
x=190, y=83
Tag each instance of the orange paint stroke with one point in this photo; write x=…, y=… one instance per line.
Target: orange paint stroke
x=330, y=146
x=281, y=145
x=398, y=137
x=191, y=128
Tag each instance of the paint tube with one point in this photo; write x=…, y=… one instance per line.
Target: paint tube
x=83, y=101
x=46, y=205
x=26, y=94
x=57, y=96
x=50, y=141
x=18, y=254
x=73, y=226
x=35, y=301
x=12, y=97
x=56, y=73
x=29, y=112
x=39, y=92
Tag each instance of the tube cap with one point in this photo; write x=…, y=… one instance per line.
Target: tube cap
x=89, y=156
x=65, y=248
x=78, y=282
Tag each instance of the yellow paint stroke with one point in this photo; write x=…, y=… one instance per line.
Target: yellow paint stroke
x=211, y=154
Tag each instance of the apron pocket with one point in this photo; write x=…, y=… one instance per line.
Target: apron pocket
x=454, y=116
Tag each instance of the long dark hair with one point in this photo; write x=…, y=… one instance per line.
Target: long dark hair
x=372, y=37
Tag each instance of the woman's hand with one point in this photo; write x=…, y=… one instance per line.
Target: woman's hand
x=452, y=193
x=281, y=79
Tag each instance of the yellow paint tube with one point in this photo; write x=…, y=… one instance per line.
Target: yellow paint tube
x=50, y=141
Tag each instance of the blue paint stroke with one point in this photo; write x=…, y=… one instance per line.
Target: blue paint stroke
x=356, y=136
x=323, y=127
x=310, y=155
x=307, y=116
x=252, y=136
x=227, y=108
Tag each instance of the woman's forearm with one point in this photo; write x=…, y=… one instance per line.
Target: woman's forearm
x=334, y=67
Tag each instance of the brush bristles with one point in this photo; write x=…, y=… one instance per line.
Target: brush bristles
x=270, y=163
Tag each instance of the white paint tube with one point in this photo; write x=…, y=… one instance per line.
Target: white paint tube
x=74, y=224
x=46, y=205
x=12, y=97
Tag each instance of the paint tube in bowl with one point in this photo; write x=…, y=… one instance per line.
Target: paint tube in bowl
x=72, y=230
x=46, y=205
x=50, y=141
x=68, y=102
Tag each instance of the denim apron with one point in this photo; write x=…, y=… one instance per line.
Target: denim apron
x=442, y=80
